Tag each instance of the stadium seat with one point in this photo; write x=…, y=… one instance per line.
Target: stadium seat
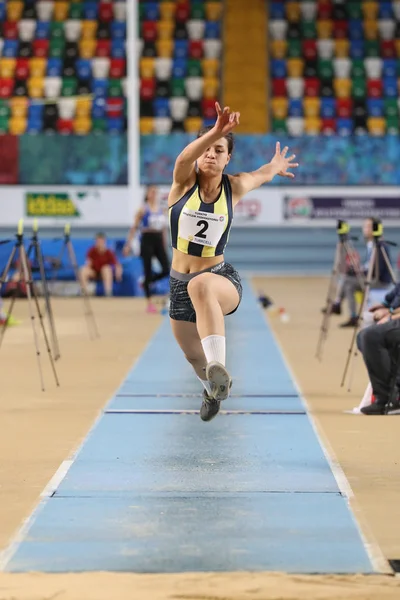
x=280, y=108
x=295, y=126
x=311, y=107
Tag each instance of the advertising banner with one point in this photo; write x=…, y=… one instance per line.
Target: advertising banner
x=304, y=208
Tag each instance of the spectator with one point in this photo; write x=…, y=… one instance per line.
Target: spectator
x=101, y=264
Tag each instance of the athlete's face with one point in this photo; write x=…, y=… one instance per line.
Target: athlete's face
x=215, y=158
x=152, y=196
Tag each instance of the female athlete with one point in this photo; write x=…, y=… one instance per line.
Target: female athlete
x=203, y=287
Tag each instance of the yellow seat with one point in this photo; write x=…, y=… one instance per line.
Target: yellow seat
x=213, y=11
x=14, y=10
x=82, y=125
x=311, y=107
x=293, y=12
x=193, y=124
x=89, y=30
x=17, y=125
x=36, y=87
x=167, y=11
x=37, y=67
x=279, y=48
x=211, y=87
x=342, y=88
x=19, y=106
x=61, y=10
x=165, y=30
x=371, y=30
x=342, y=48
x=279, y=108
x=325, y=29
x=165, y=48
x=87, y=48
x=370, y=10
x=7, y=67
x=295, y=67
x=146, y=125
x=83, y=106
x=312, y=125
x=147, y=67
x=376, y=125
x=210, y=67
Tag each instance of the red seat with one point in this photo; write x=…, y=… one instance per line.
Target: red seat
x=340, y=30
x=103, y=48
x=115, y=107
x=388, y=49
x=10, y=30
x=65, y=126
x=147, y=89
x=22, y=68
x=374, y=88
x=328, y=126
x=312, y=86
x=40, y=48
x=278, y=87
x=117, y=68
x=310, y=49
x=149, y=31
x=208, y=107
x=182, y=12
x=324, y=9
x=344, y=107
x=196, y=49
x=106, y=13
x=6, y=88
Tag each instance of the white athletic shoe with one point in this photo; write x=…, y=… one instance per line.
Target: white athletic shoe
x=219, y=379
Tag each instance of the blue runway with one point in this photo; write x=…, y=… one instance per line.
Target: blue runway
x=156, y=490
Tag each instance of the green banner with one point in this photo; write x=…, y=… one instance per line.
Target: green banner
x=50, y=205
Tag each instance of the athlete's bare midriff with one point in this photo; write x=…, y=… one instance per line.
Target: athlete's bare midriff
x=184, y=263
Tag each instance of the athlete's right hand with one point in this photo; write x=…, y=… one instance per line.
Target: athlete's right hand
x=226, y=120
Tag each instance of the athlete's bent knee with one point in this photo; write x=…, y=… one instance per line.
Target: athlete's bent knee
x=198, y=289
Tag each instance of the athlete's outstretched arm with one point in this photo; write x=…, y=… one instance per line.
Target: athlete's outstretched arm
x=185, y=163
x=245, y=182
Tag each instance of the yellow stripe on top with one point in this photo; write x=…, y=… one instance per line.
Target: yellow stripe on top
x=193, y=203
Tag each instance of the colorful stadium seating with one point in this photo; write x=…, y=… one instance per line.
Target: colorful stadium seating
x=179, y=64
x=62, y=66
x=335, y=66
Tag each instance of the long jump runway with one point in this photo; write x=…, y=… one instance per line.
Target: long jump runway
x=154, y=489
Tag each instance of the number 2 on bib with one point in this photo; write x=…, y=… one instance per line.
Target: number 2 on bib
x=201, y=233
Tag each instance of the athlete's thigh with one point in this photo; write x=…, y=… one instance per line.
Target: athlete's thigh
x=187, y=336
x=220, y=287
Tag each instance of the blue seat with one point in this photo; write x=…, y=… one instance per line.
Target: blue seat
x=390, y=87
x=3, y=12
x=344, y=126
x=389, y=67
x=90, y=10
x=357, y=48
x=375, y=107
x=151, y=11
x=277, y=10
x=10, y=48
x=208, y=122
x=98, y=107
x=35, y=110
x=212, y=30
x=118, y=49
x=278, y=68
x=161, y=107
x=295, y=108
x=34, y=125
x=100, y=87
x=42, y=30
x=54, y=67
x=115, y=125
x=83, y=68
x=181, y=49
x=328, y=108
x=356, y=29
x=118, y=30
x=179, y=68
x=385, y=10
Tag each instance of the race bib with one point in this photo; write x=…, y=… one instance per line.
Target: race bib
x=201, y=228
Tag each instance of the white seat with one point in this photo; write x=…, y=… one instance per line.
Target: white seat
x=45, y=10
x=278, y=29
x=325, y=49
x=66, y=107
x=308, y=10
x=72, y=28
x=178, y=108
x=212, y=48
x=26, y=29
x=196, y=29
x=387, y=28
x=373, y=67
x=194, y=88
x=342, y=68
x=295, y=125
x=163, y=68
x=100, y=67
x=295, y=87
x=120, y=11
x=162, y=125
x=52, y=87
x=396, y=9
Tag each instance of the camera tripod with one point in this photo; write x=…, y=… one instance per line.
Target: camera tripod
x=344, y=250
x=26, y=276
x=373, y=272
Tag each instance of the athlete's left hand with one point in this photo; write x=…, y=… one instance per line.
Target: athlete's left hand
x=281, y=163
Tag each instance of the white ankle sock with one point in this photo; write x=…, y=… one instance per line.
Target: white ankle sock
x=206, y=385
x=214, y=348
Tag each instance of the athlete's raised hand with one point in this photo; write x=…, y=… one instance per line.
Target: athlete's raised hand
x=226, y=120
x=282, y=163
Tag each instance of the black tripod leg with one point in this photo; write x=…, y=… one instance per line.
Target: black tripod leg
x=3, y=280
x=49, y=309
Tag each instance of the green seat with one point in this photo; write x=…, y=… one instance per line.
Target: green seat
x=359, y=88
x=279, y=126
x=354, y=10
x=69, y=86
x=75, y=10
x=3, y=124
x=325, y=69
x=392, y=125
x=115, y=88
x=141, y=11
x=391, y=108
x=4, y=109
x=178, y=88
x=309, y=30
x=371, y=48
x=294, y=49
x=194, y=68
x=56, y=30
x=197, y=11
x=99, y=125
x=57, y=47
x=357, y=68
